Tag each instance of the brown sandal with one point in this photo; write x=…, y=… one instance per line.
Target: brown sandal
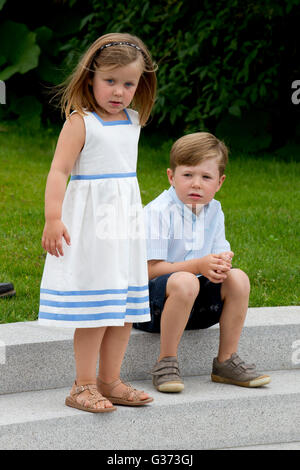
x=95, y=397
x=106, y=390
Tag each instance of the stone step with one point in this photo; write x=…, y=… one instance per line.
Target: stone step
x=34, y=357
x=278, y=446
x=205, y=415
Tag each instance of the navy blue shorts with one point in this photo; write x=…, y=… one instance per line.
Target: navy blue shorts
x=206, y=310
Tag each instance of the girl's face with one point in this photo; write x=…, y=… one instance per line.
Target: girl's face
x=114, y=89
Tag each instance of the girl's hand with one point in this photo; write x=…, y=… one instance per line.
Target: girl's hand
x=52, y=237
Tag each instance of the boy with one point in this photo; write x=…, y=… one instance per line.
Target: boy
x=192, y=284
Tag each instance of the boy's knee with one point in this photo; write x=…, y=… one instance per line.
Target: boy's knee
x=239, y=281
x=184, y=285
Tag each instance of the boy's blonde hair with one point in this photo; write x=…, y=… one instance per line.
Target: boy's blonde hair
x=76, y=92
x=192, y=149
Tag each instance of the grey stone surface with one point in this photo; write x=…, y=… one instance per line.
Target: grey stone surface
x=38, y=357
x=205, y=416
x=278, y=446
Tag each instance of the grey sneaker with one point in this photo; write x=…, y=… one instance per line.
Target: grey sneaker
x=235, y=371
x=166, y=376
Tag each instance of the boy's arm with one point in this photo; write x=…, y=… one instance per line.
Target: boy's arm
x=159, y=267
x=211, y=266
x=220, y=244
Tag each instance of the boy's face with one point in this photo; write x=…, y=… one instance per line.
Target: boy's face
x=196, y=184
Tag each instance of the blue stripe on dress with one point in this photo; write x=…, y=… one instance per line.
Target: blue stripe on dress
x=94, y=303
x=83, y=292
x=135, y=310
x=103, y=176
x=93, y=292
x=138, y=287
x=80, y=317
x=92, y=316
x=137, y=300
x=140, y=311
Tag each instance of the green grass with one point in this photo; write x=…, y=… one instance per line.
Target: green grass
x=260, y=199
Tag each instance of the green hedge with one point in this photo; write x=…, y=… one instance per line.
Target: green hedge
x=218, y=62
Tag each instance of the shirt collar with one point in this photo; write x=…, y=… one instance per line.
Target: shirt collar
x=186, y=211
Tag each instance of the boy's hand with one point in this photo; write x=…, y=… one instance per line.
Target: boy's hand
x=227, y=256
x=215, y=267
x=52, y=237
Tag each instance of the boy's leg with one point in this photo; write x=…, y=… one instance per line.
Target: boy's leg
x=235, y=292
x=228, y=367
x=181, y=292
x=112, y=351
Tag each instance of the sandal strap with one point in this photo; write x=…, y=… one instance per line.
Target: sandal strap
x=111, y=386
x=95, y=395
x=129, y=392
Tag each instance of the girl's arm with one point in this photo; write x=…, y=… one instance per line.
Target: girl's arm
x=69, y=145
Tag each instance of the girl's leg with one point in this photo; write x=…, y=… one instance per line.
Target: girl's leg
x=235, y=292
x=112, y=351
x=181, y=291
x=87, y=342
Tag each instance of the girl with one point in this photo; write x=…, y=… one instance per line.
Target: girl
x=96, y=279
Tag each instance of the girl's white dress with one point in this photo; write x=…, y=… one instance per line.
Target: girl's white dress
x=102, y=278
